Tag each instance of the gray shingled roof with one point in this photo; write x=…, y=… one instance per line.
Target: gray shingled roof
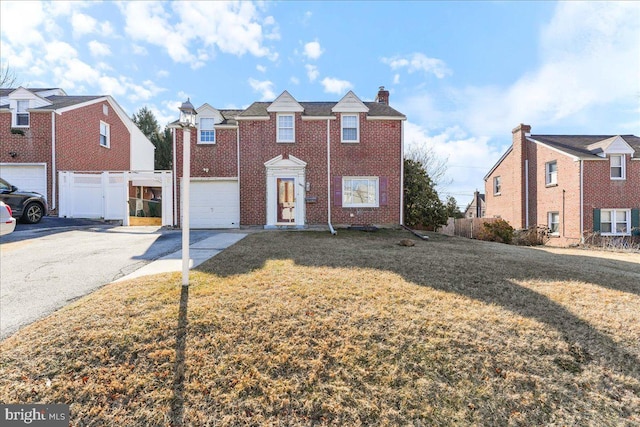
x=321, y=109
x=7, y=91
x=576, y=145
x=67, y=101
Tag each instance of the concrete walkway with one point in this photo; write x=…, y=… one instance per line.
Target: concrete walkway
x=199, y=252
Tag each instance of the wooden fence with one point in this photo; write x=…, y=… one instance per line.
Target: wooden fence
x=465, y=227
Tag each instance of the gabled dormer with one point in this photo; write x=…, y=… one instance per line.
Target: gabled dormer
x=21, y=101
x=616, y=149
x=285, y=106
x=206, y=121
x=349, y=108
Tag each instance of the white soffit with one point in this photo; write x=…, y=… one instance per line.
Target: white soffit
x=285, y=103
x=207, y=111
x=350, y=103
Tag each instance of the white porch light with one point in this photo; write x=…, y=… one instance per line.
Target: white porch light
x=187, y=121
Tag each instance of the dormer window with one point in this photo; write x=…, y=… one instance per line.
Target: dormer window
x=350, y=128
x=286, y=128
x=207, y=132
x=617, y=166
x=22, y=115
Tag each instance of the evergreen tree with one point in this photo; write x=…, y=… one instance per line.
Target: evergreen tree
x=422, y=206
x=147, y=123
x=452, y=208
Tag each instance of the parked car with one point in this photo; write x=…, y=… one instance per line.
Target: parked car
x=7, y=221
x=27, y=206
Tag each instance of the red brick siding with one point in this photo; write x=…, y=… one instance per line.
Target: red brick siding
x=601, y=192
x=32, y=147
x=78, y=140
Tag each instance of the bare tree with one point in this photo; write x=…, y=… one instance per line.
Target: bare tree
x=434, y=165
x=7, y=76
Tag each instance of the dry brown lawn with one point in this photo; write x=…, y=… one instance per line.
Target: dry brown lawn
x=304, y=328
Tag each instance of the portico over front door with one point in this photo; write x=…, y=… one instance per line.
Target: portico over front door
x=286, y=186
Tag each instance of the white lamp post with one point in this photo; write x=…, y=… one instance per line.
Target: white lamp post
x=187, y=121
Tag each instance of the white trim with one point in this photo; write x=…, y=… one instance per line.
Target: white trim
x=84, y=104
x=582, y=201
x=548, y=174
x=285, y=103
x=403, y=118
x=312, y=118
x=293, y=128
x=623, y=167
x=614, y=221
x=265, y=118
x=376, y=204
x=278, y=167
x=52, y=204
x=500, y=160
x=576, y=158
x=350, y=141
x=402, y=173
x=497, y=193
x=212, y=129
x=350, y=103
x=107, y=127
x=549, y=222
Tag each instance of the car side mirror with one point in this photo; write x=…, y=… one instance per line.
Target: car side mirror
x=14, y=188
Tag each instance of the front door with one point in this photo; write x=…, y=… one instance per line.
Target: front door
x=286, y=200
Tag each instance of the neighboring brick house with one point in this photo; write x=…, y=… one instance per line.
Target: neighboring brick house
x=292, y=164
x=44, y=131
x=574, y=184
x=477, y=207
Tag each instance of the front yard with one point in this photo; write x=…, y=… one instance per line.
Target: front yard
x=304, y=328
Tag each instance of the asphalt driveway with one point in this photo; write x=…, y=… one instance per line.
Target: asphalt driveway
x=43, y=269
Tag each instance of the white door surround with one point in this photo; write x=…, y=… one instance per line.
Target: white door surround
x=285, y=169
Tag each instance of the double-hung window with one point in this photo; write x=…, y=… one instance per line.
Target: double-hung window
x=553, y=222
x=286, y=128
x=617, y=166
x=207, y=131
x=360, y=192
x=22, y=115
x=551, y=173
x=615, y=222
x=497, y=185
x=350, y=128
x=104, y=134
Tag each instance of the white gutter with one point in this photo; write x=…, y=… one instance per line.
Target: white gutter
x=402, y=173
x=53, y=160
x=526, y=193
x=581, y=201
x=329, y=178
x=175, y=181
x=238, y=166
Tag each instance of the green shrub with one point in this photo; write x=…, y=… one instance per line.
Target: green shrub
x=498, y=231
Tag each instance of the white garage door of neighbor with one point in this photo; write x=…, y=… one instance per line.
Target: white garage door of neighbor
x=214, y=204
x=26, y=177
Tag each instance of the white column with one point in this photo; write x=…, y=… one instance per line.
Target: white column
x=186, y=180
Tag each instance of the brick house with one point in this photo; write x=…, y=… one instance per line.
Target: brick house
x=292, y=164
x=476, y=208
x=573, y=184
x=45, y=131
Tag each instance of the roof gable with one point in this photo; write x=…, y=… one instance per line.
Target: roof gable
x=350, y=103
x=207, y=111
x=614, y=145
x=21, y=93
x=285, y=103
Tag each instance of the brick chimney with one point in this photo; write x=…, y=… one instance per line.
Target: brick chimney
x=519, y=140
x=383, y=96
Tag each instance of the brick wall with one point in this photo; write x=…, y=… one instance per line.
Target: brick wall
x=78, y=140
x=601, y=192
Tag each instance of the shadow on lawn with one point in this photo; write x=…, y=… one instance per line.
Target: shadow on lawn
x=177, y=403
x=483, y=271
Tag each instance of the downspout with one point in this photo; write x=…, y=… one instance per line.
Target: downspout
x=238, y=166
x=526, y=193
x=53, y=160
x=563, y=197
x=333, y=232
x=175, y=180
x=402, y=173
x=581, y=201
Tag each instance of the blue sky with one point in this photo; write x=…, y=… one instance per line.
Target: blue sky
x=464, y=73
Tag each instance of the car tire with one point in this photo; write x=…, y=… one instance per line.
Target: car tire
x=33, y=213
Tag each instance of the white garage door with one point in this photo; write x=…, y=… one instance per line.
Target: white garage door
x=214, y=204
x=27, y=177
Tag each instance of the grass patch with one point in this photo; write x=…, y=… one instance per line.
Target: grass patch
x=304, y=328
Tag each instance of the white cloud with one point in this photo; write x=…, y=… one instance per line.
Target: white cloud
x=230, y=27
x=162, y=74
x=106, y=29
x=261, y=68
x=98, y=49
x=82, y=24
x=139, y=50
x=467, y=158
x=312, y=50
x=339, y=87
x=265, y=88
x=59, y=52
x=396, y=79
x=24, y=31
x=419, y=62
x=312, y=72
x=294, y=80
